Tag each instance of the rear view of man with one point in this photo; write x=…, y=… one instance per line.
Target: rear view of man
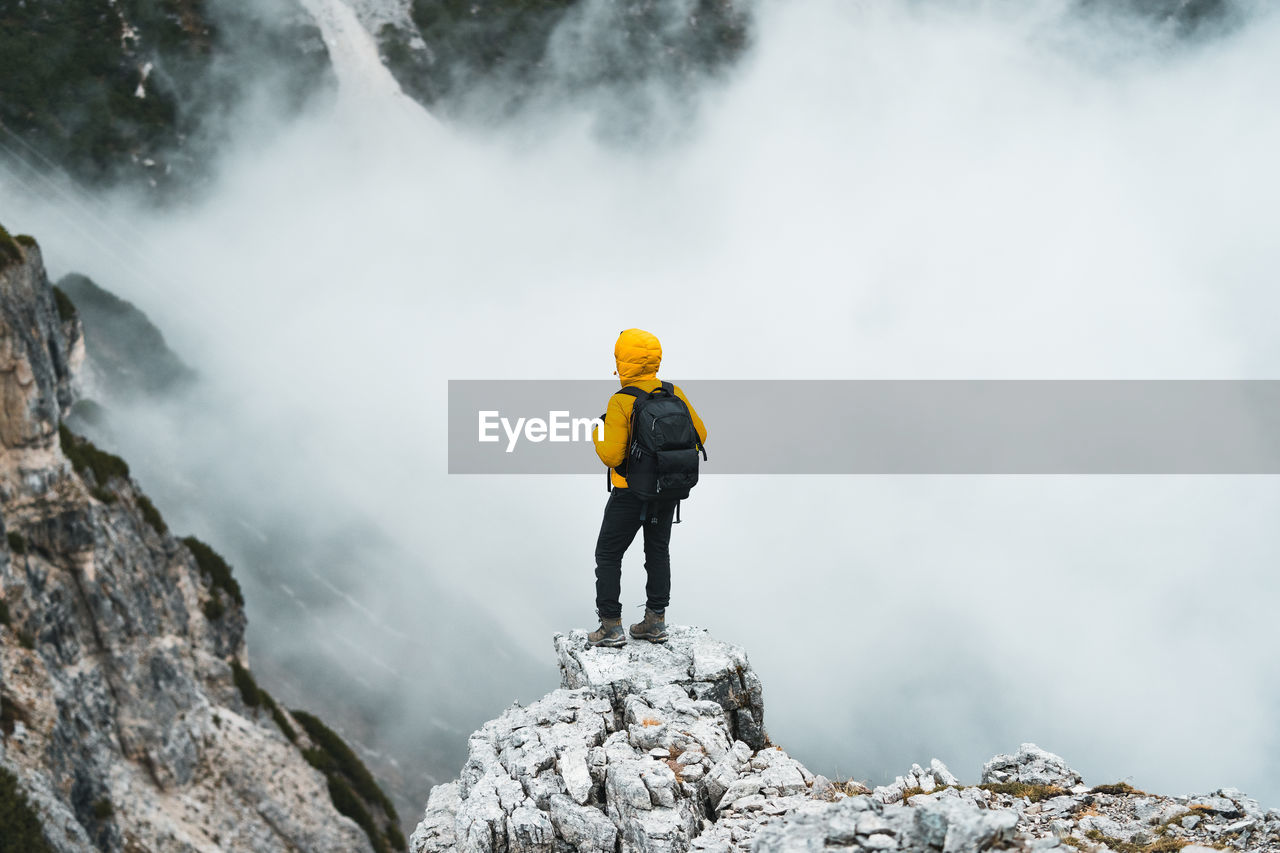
x=638, y=356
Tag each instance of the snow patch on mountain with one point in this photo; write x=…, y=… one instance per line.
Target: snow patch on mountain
x=353, y=52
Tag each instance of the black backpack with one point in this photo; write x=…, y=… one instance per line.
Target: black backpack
x=662, y=453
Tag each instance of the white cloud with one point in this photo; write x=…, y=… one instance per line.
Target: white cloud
x=881, y=190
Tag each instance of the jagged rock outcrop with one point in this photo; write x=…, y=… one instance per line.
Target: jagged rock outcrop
x=1030, y=766
x=41, y=346
x=862, y=823
x=654, y=749
x=645, y=748
x=129, y=719
x=638, y=749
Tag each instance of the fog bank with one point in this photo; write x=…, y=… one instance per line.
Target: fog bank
x=878, y=191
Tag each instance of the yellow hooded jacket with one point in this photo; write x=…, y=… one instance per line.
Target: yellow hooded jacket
x=638, y=354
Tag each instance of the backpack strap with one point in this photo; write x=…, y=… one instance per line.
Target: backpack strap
x=633, y=391
x=630, y=391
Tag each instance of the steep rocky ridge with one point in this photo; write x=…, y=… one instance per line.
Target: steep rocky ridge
x=663, y=748
x=130, y=719
x=295, y=543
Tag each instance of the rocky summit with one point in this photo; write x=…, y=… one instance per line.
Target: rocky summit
x=658, y=748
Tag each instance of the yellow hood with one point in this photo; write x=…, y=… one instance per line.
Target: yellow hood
x=638, y=354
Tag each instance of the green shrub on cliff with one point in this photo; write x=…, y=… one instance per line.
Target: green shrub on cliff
x=255, y=697
x=10, y=251
x=249, y=690
x=66, y=308
x=213, y=567
x=281, y=720
x=347, y=803
x=152, y=515
x=214, y=608
x=85, y=457
x=344, y=760
x=351, y=785
x=19, y=824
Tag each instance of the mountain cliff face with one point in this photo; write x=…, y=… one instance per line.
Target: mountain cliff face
x=513, y=52
x=371, y=665
x=138, y=90
x=130, y=720
x=662, y=749
x=133, y=90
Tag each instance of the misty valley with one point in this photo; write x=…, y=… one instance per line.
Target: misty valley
x=246, y=246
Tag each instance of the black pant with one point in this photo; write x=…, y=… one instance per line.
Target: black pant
x=622, y=518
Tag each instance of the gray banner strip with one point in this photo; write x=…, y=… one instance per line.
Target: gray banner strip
x=895, y=426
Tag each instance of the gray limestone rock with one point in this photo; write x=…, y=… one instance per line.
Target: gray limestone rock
x=582, y=827
x=692, y=660
x=437, y=830
x=956, y=826
x=635, y=749
x=942, y=774
x=114, y=667
x=865, y=823
x=643, y=750
x=1030, y=765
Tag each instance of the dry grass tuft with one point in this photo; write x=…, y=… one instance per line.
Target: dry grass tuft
x=1120, y=789
x=850, y=788
x=1160, y=845
x=1034, y=793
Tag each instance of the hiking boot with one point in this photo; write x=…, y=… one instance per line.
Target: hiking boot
x=653, y=628
x=609, y=634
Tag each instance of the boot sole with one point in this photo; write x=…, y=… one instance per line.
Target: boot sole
x=661, y=638
x=607, y=644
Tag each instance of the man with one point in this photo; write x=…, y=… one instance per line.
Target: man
x=638, y=355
